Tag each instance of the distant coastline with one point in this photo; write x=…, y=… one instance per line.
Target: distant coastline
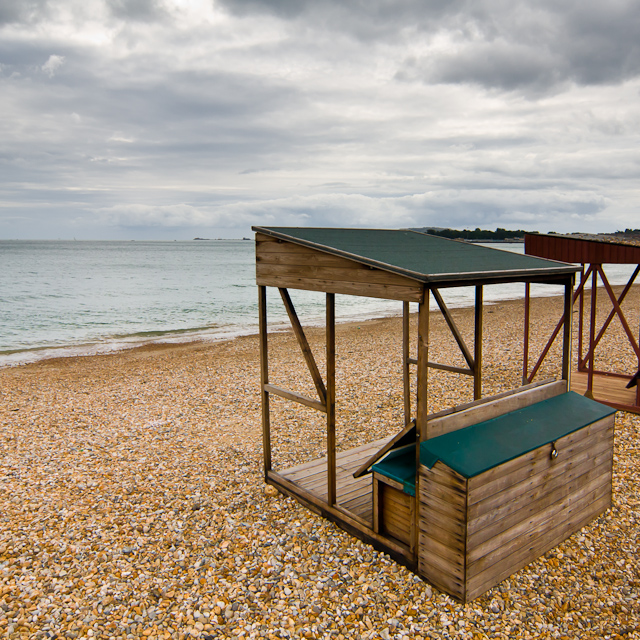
x=216, y=239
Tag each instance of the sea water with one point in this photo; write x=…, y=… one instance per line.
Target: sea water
x=62, y=298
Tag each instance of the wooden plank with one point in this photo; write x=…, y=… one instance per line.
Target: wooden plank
x=406, y=377
x=403, y=437
x=402, y=521
x=595, y=437
x=533, y=547
x=607, y=389
x=333, y=273
x=565, y=471
x=450, y=559
x=296, y=397
x=477, y=344
x=336, y=514
x=502, y=519
x=386, y=291
x=398, y=486
x=376, y=506
x=485, y=400
x=453, y=493
x=452, y=522
x=331, y=396
x=448, y=367
x=358, y=502
x=453, y=328
x=391, y=517
x=318, y=481
x=442, y=531
x=348, y=459
x=431, y=570
x=293, y=255
x=546, y=514
x=493, y=408
x=423, y=371
x=264, y=378
x=436, y=496
x=304, y=345
x=443, y=475
x=566, y=335
x=398, y=497
x=529, y=536
x=393, y=531
x=525, y=341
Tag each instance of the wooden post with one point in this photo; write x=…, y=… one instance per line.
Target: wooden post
x=422, y=404
x=405, y=362
x=331, y=398
x=264, y=378
x=592, y=333
x=477, y=369
x=525, y=346
x=581, y=318
x=423, y=369
x=568, y=328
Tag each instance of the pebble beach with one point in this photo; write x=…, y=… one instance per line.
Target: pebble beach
x=132, y=500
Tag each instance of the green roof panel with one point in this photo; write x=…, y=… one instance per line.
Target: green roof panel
x=483, y=446
x=422, y=256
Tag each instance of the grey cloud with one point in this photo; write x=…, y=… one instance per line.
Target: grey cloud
x=137, y=9
x=290, y=114
x=29, y=11
x=584, y=43
x=362, y=19
x=520, y=45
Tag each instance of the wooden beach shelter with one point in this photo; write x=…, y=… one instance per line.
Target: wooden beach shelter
x=609, y=387
x=467, y=496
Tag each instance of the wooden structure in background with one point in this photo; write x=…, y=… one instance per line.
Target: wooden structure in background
x=605, y=386
x=384, y=492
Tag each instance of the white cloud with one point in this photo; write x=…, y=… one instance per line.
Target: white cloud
x=138, y=215
x=51, y=66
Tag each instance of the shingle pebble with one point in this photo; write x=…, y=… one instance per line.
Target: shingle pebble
x=133, y=502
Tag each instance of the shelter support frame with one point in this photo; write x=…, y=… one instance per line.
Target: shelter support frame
x=569, y=299
x=325, y=401
x=587, y=358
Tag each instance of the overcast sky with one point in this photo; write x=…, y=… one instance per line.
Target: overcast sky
x=180, y=118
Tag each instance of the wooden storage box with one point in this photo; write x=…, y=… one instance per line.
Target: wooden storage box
x=496, y=495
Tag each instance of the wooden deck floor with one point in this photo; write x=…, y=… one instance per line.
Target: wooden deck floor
x=608, y=390
x=354, y=494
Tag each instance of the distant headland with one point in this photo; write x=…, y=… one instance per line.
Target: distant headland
x=507, y=235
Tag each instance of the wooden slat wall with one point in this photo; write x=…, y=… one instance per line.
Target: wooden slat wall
x=475, y=533
x=580, y=250
x=520, y=510
x=288, y=265
x=442, y=517
x=395, y=513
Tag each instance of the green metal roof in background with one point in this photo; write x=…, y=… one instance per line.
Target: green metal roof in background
x=422, y=256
